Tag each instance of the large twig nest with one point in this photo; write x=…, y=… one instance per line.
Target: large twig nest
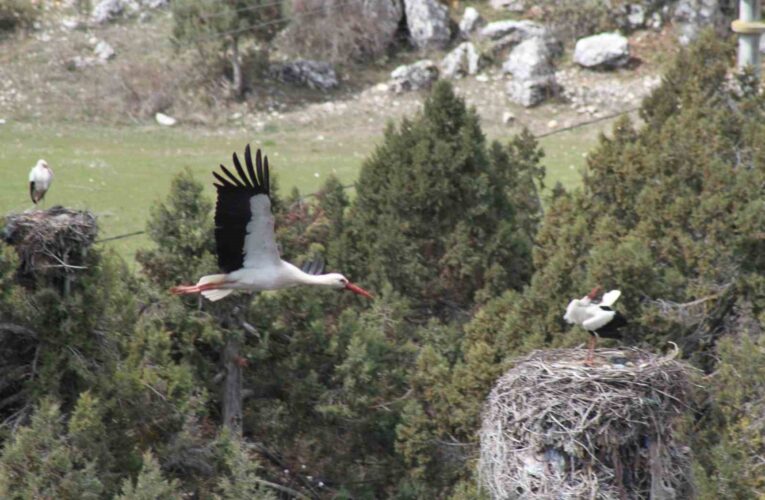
x=554, y=428
x=50, y=242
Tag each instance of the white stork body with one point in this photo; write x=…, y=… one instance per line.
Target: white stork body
x=596, y=317
x=40, y=179
x=245, y=242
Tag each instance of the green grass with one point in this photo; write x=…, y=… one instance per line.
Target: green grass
x=119, y=172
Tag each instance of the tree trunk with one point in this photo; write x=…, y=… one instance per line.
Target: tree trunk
x=232, y=386
x=236, y=67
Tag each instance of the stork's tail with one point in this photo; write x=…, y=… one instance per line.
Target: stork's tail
x=207, y=286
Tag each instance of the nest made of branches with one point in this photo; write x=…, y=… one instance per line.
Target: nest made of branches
x=50, y=242
x=555, y=428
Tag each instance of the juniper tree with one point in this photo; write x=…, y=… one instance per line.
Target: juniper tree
x=434, y=215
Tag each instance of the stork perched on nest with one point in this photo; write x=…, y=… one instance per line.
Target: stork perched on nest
x=245, y=242
x=40, y=179
x=598, y=318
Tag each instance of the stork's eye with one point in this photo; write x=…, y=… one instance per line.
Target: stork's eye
x=343, y=281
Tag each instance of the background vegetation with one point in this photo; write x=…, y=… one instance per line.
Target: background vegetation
x=113, y=388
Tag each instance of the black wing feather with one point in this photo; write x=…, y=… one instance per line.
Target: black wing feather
x=236, y=182
x=248, y=161
x=232, y=213
x=611, y=329
x=32, y=191
x=240, y=170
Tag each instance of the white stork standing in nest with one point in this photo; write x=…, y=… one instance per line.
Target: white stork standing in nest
x=40, y=179
x=244, y=238
x=598, y=318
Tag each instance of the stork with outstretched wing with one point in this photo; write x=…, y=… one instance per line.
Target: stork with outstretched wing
x=245, y=242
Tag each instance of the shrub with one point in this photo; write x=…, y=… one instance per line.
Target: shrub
x=339, y=31
x=17, y=14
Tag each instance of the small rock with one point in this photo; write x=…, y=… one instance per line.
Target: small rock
x=381, y=87
x=603, y=51
x=429, y=23
x=236, y=116
x=483, y=78
x=471, y=21
x=165, y=120
x=552, y=124
x=71, y=23
x=103, y=51
x=107, y=10
x=2, y=121
x=415, y=76
x=508, y=118
x=635, y=16
x=511, y=5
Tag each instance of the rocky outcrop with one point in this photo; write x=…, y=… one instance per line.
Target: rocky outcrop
x=419, y=75
x=603, y=51
x=463, y=60
x=108, y=10
x=499, y=36
x=428, y=23
x=314, y=74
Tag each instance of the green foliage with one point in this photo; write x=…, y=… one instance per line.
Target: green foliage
x=434, y=215
x=43, y=461
x=150, y=484
x=243, y=466
x=18, y=14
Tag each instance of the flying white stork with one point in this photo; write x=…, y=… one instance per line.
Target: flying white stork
x=40, y=179
x=245, y=243
x=598, y=318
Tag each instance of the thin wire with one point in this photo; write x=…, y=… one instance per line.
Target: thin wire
x=280, y=20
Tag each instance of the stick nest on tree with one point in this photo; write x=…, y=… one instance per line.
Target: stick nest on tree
x=556, y=428
x=50, y=242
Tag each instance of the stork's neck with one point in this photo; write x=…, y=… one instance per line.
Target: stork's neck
x=302, y=278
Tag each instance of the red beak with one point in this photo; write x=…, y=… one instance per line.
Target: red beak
x=358, y=290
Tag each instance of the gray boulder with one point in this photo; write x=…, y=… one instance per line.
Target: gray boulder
x=529, y=59
x=428, y=23
x=533, y=75
x=463, y=60
x=603, y=51
x=471, y=21
x=691, y=16
x=314, y=74
x=523, y=29
x=419, y=75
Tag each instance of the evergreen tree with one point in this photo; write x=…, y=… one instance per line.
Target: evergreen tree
x=434, y=215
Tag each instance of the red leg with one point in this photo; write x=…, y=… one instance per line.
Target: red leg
x=590, y=361
x=187, y=289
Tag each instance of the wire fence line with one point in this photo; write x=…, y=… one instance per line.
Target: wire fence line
x=346, y=187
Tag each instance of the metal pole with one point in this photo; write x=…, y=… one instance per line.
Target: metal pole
x=749, y=29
